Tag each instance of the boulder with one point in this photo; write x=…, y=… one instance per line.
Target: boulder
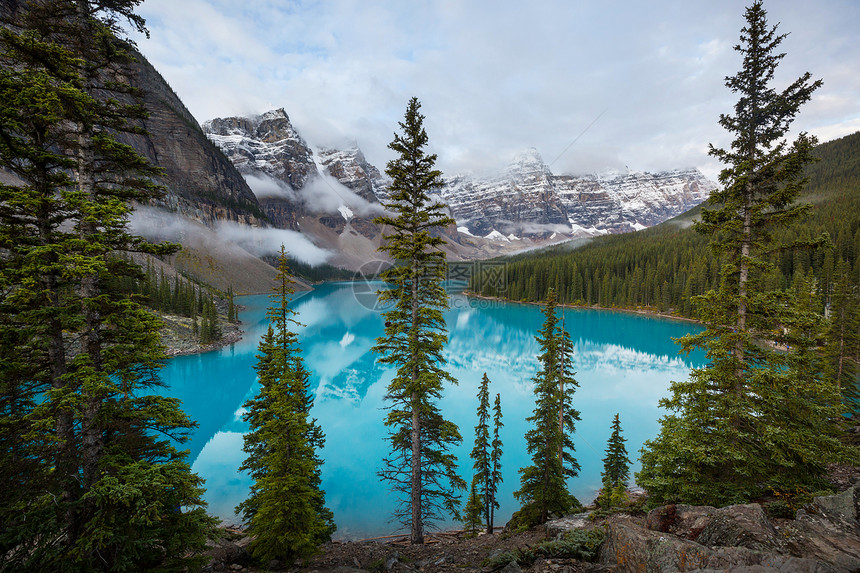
x=685, y=521
x=558, y=527
x=632, y=548
x=740, y=526
x=828, y=529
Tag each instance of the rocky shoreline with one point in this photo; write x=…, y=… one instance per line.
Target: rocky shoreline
x=178, y=336
x=821, y=537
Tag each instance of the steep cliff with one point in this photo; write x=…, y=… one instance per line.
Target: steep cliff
x=202, y=183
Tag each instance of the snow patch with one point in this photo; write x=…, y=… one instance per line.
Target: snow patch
x=346, y=212
x=464, y=231
x=496, y=236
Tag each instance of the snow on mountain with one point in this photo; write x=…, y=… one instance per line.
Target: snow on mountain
x=267, y=143
x=352, y=170
x=338, y=191
x=529, y=200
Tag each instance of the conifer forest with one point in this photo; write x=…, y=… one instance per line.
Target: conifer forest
x=95, y=464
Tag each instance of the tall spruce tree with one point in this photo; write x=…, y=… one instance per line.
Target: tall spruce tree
x=543, y=487
x=755, y=419
x=486, y=455
x=495, y=464
x=91, y=469
x=616, y=469
x=421, y=465
x=843, y=335
x=285, y=511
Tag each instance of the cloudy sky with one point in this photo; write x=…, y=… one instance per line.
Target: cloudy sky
x=592, y=84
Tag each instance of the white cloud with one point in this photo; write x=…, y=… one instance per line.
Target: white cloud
x=265, y=241
x=159, y=225
x=496, y=77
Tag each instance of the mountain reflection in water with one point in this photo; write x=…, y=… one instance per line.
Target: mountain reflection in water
x=624, y=363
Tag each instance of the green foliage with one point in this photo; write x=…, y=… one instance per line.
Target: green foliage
x=319, y=273
x=755, y=418
x=473, y=510
x=842, y=338
x=487, y=455
x=92, y=478
x=616, y=470
x=421, y=466
x=579, y=544
x=285, y=511
x=639, y=270
x=543, y=484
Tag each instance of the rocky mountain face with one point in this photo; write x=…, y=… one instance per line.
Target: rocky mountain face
x=201, y=183
x=351, y=168
x=525, y=206
x=529, y=200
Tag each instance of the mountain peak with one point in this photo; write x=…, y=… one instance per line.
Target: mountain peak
x=279, y=113
x=528, y=160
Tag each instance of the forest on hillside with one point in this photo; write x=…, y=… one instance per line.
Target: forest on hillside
x=663, y=267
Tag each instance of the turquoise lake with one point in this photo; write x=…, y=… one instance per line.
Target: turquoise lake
x=624, y=364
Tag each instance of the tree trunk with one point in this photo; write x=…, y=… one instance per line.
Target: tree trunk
x=63, y=416
x=417, y=537
x=91, y=432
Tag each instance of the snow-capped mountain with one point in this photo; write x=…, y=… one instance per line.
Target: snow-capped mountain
x=332, y=195
x=529, y=200
x=268, y=143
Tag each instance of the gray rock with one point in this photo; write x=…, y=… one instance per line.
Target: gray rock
x=740, y=526
x=828, y=530
x=392, y=560
x=632, y=548
x=685, y=521
x=512, y=567
x=562, y=525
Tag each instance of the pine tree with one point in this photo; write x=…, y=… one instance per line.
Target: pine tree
x=94, y=467
x=421, y=466
x=543, y=488
x=231, y=308
x=473, y=510
x=754, y=419
x=843, y=335
x=495, y=465
x=485, y=455
x=285, y=511
x=616, y=468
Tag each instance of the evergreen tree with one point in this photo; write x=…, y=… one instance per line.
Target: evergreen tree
x=616, y=468
x=473, y=510
x=754, y=419
x=91, y=471
x=495, y=465
x=843, y=335
x=285, y=511
x=421, y=466
x=231, y=308
x=543, y=488
x=486, y=455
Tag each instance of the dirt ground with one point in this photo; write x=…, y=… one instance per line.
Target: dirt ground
x=442, y=553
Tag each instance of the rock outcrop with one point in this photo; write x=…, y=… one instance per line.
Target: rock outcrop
x=351, y=169
x=824, y=537
x=267, y=143
x=201, y=183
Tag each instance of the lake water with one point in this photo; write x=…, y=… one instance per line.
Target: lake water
x=624, y=364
